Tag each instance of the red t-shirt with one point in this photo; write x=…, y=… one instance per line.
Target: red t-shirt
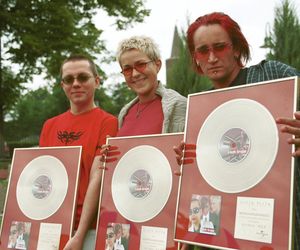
x=88, y=130
x=143, y=119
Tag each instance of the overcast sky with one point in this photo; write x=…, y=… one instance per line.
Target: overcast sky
x=253, y=17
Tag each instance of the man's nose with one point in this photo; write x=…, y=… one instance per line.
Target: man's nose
x=76, y=82
x=212, y=57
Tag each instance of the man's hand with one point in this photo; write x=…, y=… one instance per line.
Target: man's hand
x=291, y=126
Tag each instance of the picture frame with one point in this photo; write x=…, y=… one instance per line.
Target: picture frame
x=41, y=197
x=242, y=157
x=132, y=187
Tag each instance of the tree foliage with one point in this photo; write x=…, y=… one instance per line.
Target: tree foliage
x=36, y=36
x=11, y=89
x=40, y=34
x=29, y=114
x=283, y=40
x=9, y=93
x=181, y=76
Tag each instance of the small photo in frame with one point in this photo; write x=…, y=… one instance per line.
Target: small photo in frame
x=204, y=214
x=117, y=236
x=19, y=235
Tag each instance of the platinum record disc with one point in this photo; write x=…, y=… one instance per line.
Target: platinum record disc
x=237, y=145
x=42, y=187
x=141, y=183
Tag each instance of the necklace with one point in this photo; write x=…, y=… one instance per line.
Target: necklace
x=140, y=110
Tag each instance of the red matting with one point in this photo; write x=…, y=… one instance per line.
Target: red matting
x=279, y=97
x=70, y=158
x=108, y=212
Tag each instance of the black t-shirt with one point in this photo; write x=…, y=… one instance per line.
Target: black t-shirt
x=239, y=80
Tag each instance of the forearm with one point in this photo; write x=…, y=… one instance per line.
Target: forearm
x=91, y=201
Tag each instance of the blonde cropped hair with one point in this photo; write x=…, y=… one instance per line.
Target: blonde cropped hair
x=142, y=43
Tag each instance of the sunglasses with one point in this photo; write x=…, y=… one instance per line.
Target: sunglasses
x=110, y=235
x=81, y=78
x=219, y=49
x=195, y=210
x=140, y=67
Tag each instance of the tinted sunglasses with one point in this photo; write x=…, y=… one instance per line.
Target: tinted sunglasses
x=195, y=210
x=81, y=78
x=219, y=49
x=110, y=235
x=140, y=67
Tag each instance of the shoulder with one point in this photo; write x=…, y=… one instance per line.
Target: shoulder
x=170, y=94
x=272, y=64
x=173, y=93
x=269, y=70
x=56, y=118
x=263, y=65
x=105, y=116
x=175, y=100
x=104, y=113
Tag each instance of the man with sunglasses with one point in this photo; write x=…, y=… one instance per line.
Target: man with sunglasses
x=86, y=125
x=110, y=238
x=195, y=215
x=219, y=51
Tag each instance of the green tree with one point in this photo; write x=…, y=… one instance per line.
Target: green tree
x=181, y=76
x=28, y=114
x=283, y=40
x=9, y=93
x=37, y=35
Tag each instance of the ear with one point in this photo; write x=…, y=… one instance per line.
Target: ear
x=98, y=81
x=236, y=54
x=158, y=65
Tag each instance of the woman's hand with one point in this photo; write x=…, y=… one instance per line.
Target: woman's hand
x=107, y=154
x=185, y=153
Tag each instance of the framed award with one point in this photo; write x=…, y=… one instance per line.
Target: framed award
x=138, y=194
x=41, y=198
x=238, y=191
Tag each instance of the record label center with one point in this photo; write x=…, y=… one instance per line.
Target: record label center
x=140, y=183
x=234, y=145
x=42, y=187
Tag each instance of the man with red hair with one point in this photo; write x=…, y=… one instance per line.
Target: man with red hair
x=219, y=51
